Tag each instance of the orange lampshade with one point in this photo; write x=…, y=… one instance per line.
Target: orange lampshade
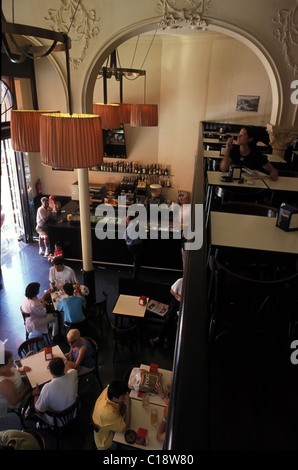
x=70, y=141
x=109, y=113
x=24, y=126
x=125, y=109
x=144, y=115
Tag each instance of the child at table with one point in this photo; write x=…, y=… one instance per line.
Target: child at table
x=58, y=252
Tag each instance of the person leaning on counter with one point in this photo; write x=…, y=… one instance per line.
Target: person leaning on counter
x=246, y=154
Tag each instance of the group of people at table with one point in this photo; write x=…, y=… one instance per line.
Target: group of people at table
x=111, y=413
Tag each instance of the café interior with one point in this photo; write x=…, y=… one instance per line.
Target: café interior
x=202, y=73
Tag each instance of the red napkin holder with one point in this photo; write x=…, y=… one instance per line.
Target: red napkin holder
x=142, y=436
x=142, y=300
x=48, y=354
x=153, y=367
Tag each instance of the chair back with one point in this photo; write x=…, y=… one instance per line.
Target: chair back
x=31, y=345
x=239, y=194
x=25, y=315
x=38, y=437
x=93, y=344
x=63, y=418
x=123, y=337
x=99, y=310
x=95, y=350
x=240, y=207
x=251, y=306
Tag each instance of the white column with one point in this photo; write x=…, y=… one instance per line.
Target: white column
x=83, y=183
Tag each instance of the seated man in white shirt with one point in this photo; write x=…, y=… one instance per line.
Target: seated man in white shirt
x=61, y=274
x=58, y=394
x=58, y=276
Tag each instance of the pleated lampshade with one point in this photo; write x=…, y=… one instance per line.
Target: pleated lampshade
x=109, y=113
x=25, y=127
x=144, y=115
x=70, y=141
x=125, y=109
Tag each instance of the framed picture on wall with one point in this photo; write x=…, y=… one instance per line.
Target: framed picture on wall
x=247, y=103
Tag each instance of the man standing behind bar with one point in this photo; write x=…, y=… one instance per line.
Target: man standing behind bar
x=133, y=243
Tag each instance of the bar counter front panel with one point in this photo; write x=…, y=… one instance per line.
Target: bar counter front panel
x=157, y=253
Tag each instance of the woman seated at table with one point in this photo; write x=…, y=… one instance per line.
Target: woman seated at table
x=246, y=154
x=39, y=320
x=81, y=355
x=15, y=392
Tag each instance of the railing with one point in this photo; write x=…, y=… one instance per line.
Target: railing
x=188, y=423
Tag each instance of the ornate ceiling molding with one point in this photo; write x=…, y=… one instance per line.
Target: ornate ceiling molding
x=80, y=24
x=286, y=32
x=281, y=136
x=179, y=13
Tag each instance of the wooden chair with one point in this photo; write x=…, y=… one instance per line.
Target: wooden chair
x=47, y=336
x=253, y=195
x=65, y=421
x=38, y=437
x=82, y=326
x=237, y=207
x=95, y=350
x=30, y=346
x=25, y=315
x=248, y=307
x=98, y=311
x=124, y=337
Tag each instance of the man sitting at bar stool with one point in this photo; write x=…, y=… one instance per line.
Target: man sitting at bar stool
x=72, y=308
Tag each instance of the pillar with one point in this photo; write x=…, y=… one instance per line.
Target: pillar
x=86, y=240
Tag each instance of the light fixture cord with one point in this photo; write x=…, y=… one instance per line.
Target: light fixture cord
x=73, y=16
x=133, y=57
x=149, y=49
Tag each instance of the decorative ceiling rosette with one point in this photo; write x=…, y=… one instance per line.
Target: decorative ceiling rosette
x=178, y=12
x=80, y=25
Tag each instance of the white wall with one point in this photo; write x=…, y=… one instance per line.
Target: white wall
x=192, y=79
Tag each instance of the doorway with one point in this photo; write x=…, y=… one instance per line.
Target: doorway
x=12, y=220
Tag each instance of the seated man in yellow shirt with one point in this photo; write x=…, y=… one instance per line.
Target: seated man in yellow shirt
x=111, y=414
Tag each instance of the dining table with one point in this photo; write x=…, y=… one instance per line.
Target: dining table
x=251, y=232
x=59, y=294
x=129, y=306
x=154, y=398
x=141, y=418
x=39, y=373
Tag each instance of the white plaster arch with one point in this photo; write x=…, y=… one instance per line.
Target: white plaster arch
x=56, y=65
x=213, y=25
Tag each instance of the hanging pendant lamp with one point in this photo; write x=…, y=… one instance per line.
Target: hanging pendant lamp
x=125, y=110
x=25, y=130
x=144, y=115
x=70, y=140
x=109, y=113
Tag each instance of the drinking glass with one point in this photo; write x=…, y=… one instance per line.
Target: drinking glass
x=154, y=416
x=145, y=400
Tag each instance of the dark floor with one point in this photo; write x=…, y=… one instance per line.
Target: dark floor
x=252, y=392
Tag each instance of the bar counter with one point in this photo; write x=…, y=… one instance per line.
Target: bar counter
x=157, y=253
